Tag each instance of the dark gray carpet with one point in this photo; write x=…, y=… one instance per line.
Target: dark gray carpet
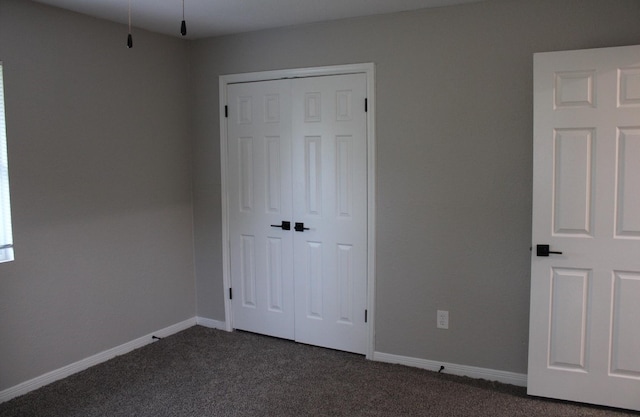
x=205, y=372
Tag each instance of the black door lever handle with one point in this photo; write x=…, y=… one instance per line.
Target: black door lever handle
x=543, y=250
x=284, y=225
x=299, y=227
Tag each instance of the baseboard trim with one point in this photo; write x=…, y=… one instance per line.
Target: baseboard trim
x=449, y=368
x=210, y=323
x=65, y=371
x=454, y=369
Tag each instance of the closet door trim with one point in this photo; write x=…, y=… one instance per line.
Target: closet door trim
x=369, y=70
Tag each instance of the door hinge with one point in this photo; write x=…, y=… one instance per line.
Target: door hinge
x=366, y=105
x=230, y=293
x=365, y=316
x=226, y=111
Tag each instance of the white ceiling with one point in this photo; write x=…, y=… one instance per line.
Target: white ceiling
x=207, y=18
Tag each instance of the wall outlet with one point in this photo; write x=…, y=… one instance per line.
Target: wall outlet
x=442, y=319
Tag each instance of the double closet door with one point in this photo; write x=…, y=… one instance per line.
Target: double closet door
x=297, y=205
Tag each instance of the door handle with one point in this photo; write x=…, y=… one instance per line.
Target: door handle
x=284, y=225
x=543, y=250
x=299, y=227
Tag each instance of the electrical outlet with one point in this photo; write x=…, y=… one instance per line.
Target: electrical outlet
x=442, y=320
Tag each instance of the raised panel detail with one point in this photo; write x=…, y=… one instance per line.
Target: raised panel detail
x=313, y=174
x=271, y=108
x=314, y=276
x=244, y=110
x=629, y=87
x=574, y=89
x=345, y=283
x=628, y=183
x=344, y=175
x=312, y=107
x=248, y=271
x=245, y=166
x=568, y=347
x=625, y=332
x=273, y=177
x=573, y=182
x=343, y=105
x=274, y=274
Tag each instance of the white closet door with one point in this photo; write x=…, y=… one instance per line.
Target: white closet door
x=259, y=184
x=330, y=199
x=297, y=153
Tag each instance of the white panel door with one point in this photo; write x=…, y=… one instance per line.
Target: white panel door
x=297, y=153
x=330, y=200
x=584, y=342
x=259, y=188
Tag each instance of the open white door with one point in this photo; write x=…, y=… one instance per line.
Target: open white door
x=584, y=342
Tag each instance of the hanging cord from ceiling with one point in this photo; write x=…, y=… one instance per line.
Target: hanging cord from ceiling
x=129, y=37
x=183, y=26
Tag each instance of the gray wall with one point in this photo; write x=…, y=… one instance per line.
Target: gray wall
x=454, y=159
x=100, y=165
x=103, y=167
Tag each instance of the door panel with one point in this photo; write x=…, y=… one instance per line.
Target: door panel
x=584, y=338
x=573, y=182
x=628, y=183
x=568, y=347
x=330, y=198
x=259, y=146
x=625, y=340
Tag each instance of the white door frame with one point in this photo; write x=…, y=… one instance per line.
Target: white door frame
x=369, y=70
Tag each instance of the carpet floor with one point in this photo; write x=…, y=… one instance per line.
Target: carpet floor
x=206, y=372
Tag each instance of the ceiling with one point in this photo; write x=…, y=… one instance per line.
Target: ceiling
x=207, y=18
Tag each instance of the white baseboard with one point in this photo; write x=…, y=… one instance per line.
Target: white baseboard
x=83, y=364
x=451, y=368
x=49, y=377
x=212, y=324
